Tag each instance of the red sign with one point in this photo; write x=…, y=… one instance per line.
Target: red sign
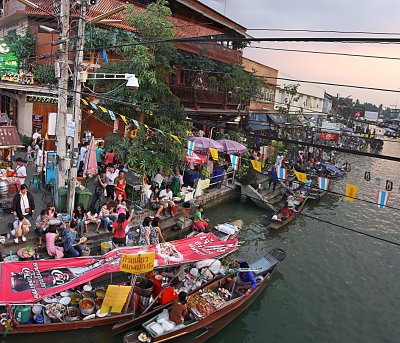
x=359, y=114
x=329, y=136
x=30, y=281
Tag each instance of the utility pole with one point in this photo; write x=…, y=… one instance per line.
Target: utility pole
x=61, y=121
x=77, y=107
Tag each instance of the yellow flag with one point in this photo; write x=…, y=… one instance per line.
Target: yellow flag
x=214, y=153
x=46, y=137
x=302, y=177
x=123, y=119
x=256, y=165
x=85, y=102
x=351, y=192
x=175, y=137
x=103, y=109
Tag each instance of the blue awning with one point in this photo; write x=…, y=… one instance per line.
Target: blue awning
x=277, y=118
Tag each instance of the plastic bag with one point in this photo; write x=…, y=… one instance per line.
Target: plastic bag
x=163, y=316
x=168, y=325
x=156, y=328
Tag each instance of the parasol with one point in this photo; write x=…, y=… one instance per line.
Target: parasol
x=232, y=147
x=196, y=158
x=204, y=143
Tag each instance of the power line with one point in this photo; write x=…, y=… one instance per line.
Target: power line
x=325, y=31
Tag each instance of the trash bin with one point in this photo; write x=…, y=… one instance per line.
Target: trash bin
x=62, y=199
x=83, y=197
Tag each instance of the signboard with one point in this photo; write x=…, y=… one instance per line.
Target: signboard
x=327, y=136
x=8, y=60
x=201, y=185
x=30, y=281
x=137, y=264
x=37, y=118
x=70, y=129
x=115, y=298
x=370, y=115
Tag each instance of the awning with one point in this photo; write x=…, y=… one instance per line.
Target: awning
x=9, y=137
x=277, y=118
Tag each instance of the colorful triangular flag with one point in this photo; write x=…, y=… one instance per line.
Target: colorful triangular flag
x=85, y=102
x=256, y=165
x=174, y=137
x=103, y=109
x=93, y=105
x=111, y=113
x=136, y=123
x=383, y=198
x=214, y=153
x=124, y=119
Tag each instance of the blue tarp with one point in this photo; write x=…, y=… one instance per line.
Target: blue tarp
x=389, y=130
x=277, y=118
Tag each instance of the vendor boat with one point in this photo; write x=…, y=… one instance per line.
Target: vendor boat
x=224, y=231
x=277, y=224
x=211, y=308
x=29, y=287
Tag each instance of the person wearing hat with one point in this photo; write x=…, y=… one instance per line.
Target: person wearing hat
x=179, y=309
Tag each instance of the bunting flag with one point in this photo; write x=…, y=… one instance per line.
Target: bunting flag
x=214, y=153
x=85, y=102
x=351, y=192
x=323, y=183
x=136, y=123
x=302, y=177
x=46, y=137
x=175, y=137
x=383, y=198
x=112, y=115
x=93, y=105
x=190, y=148
x=281, y=173
x=256, y=165
x=103, y=109
x=124, y=119
x=234, y=161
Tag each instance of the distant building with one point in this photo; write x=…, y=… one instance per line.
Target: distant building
x=266, y=101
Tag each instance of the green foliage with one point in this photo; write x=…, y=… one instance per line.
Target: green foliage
x=149, y=151
x=45, y=74
x=291, y=96
x=97, y=37
x=23, y=47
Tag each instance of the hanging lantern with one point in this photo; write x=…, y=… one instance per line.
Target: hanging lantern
x=367, y=176
x=133, y=133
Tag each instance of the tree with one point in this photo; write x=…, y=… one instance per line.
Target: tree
x=23, y=46
x=291, y=96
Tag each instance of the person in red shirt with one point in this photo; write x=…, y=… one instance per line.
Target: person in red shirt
x=286, y=212
x=109, y=157
x=119, y=227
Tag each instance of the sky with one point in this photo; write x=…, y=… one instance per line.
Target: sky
x=342, y=15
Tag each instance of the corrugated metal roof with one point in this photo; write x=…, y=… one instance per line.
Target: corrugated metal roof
x=9, y=136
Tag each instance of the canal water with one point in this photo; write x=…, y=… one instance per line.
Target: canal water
x=334, y=286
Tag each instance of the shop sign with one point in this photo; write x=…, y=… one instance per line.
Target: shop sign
x=37, y=118
x=44, y=99
x=21, y=78
x=8, y=60
x=115, y=299
x=137, y=264
x=329, y=136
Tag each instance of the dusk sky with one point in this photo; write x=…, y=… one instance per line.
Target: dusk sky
x=342, y=15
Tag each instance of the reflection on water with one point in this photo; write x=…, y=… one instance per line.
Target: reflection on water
x=334, y=286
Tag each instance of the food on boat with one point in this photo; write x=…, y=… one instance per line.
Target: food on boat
x=26, y=252
x=143, y=337
x=100, y=292
x=86, y=304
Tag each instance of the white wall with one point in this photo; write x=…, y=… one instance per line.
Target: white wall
x=20, y=26
x=24, y=121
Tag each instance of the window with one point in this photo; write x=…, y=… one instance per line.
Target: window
x=12, y=32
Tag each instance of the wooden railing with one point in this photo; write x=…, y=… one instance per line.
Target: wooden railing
x=204, y=97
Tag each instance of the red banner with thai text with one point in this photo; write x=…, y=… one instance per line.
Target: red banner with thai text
x=31, y=281
x=327, y=136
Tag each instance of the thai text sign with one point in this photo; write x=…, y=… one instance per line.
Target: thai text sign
x=115, y=298
x=137, y=264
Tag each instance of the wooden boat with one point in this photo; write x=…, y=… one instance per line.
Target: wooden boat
x=279, y=224
x=263, y=199
x=200, y=329
x=316, y=194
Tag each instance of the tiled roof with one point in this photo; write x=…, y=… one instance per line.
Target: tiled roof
x=183, y=27
x=9, y=136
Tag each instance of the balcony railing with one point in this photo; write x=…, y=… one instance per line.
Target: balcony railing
x=191, y=97
x=215, y=51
